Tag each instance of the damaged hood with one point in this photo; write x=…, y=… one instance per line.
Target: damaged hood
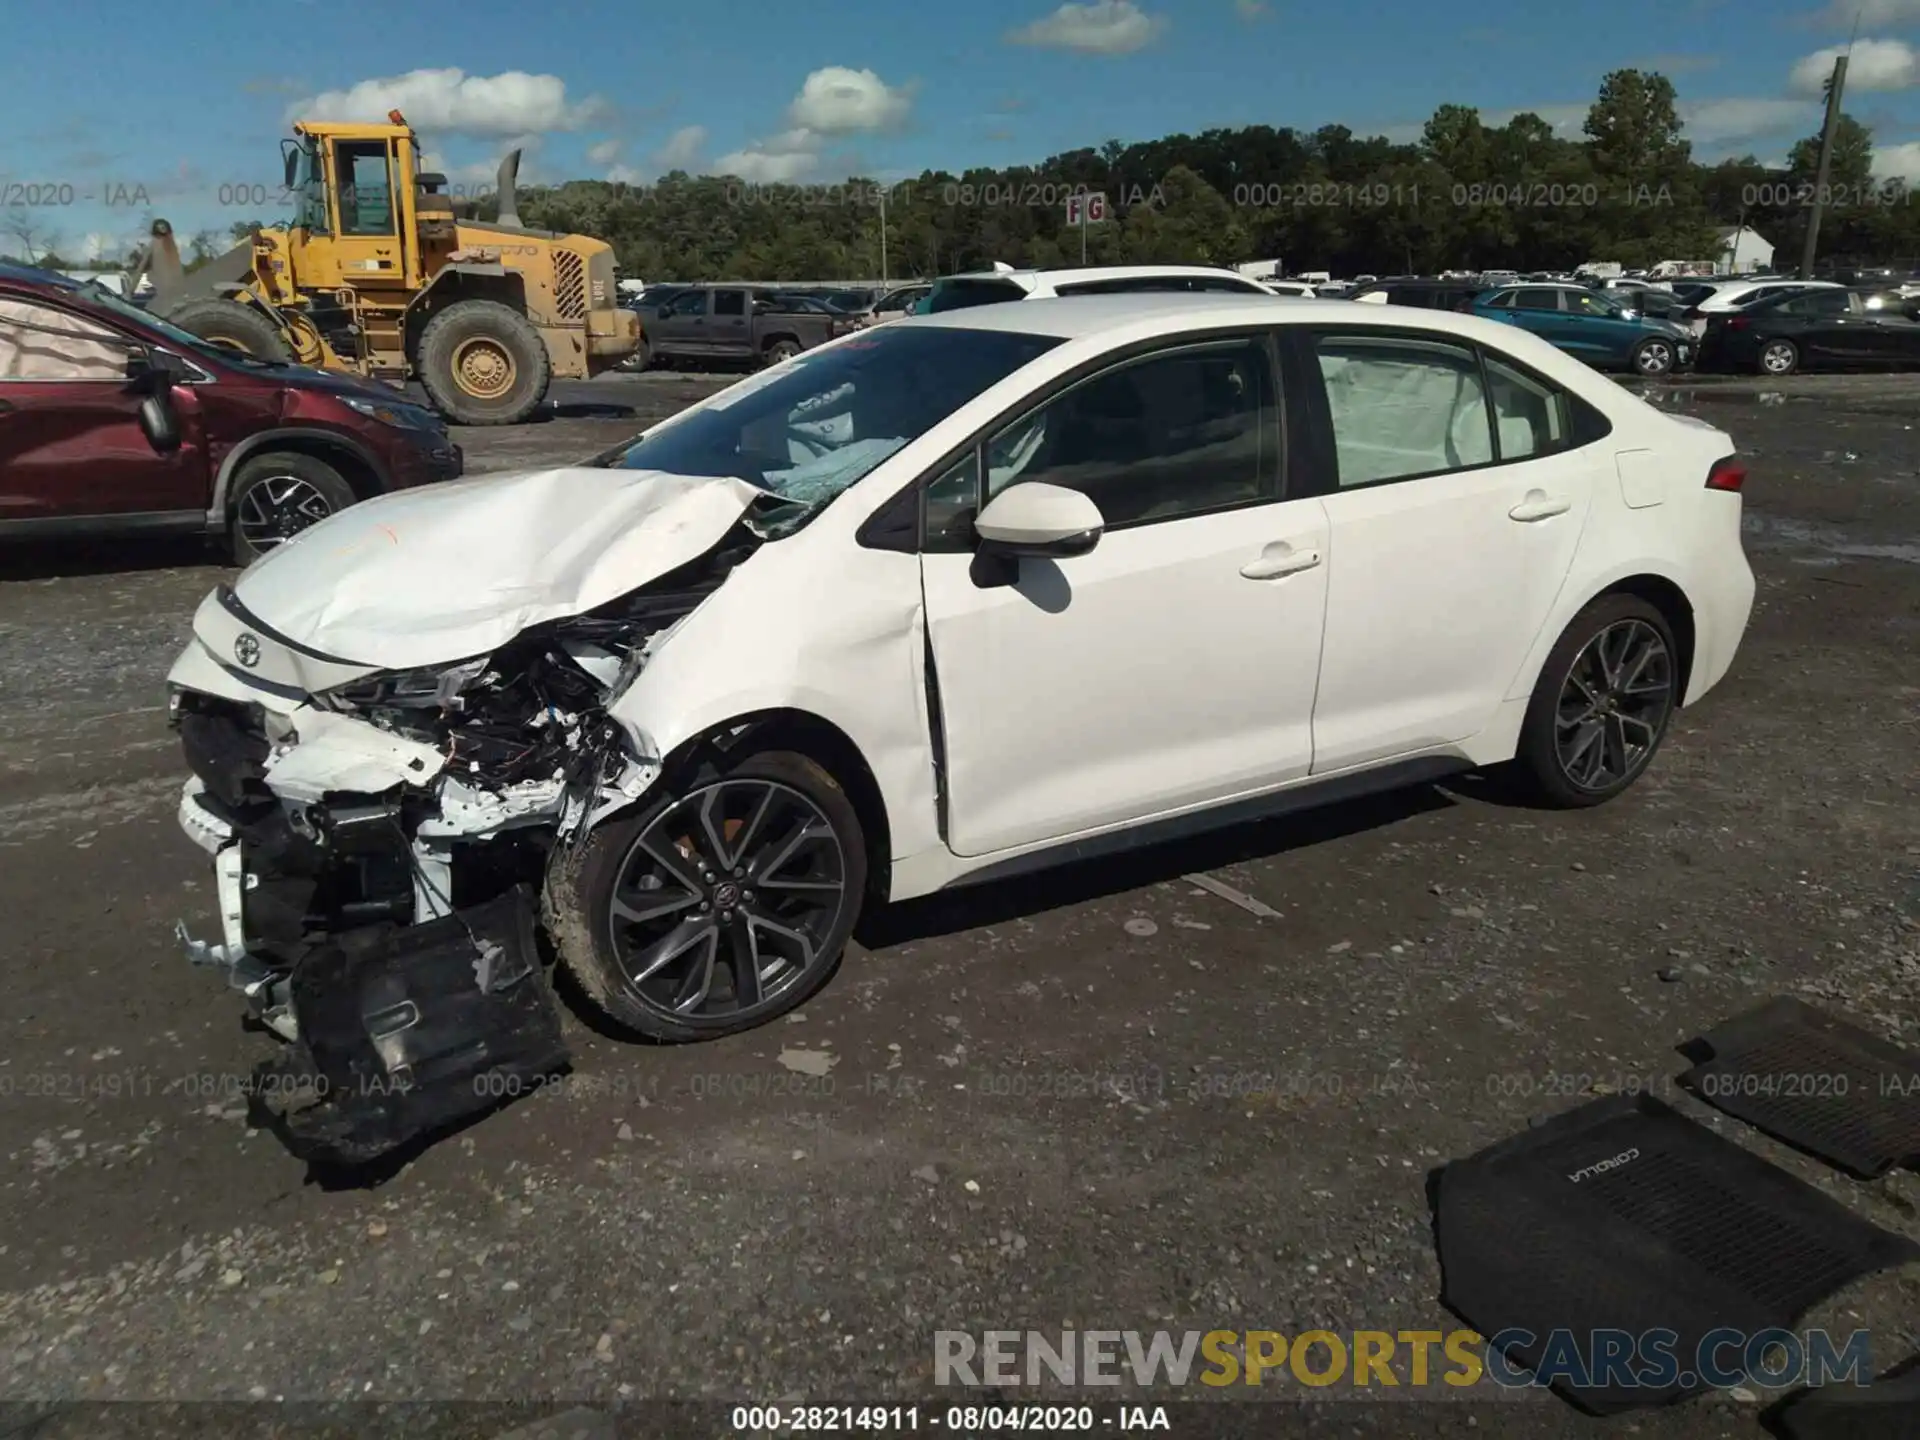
x=436, y=574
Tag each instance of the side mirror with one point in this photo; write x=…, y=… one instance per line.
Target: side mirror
x=289, y=162
x=160, y=422
x=155, y=371
x=1040, y=520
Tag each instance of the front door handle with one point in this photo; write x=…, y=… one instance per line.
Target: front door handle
x=1538, y=507
x=1278, y=560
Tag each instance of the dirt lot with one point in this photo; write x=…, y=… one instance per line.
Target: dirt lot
x=1103, y=1098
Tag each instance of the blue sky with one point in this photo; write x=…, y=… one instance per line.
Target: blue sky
x=131, y=109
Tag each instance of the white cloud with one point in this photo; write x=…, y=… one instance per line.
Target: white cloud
x=103, y=245
x=603, y=152
x=1099, y=27
x=790, y=155
x=682, y=150
x=1251, y=9
x=1898, y=162
x=833, y=102
x=1567, y=121
x=1722, y=122
x=452, y=102
x=1874, y=65
x=840, y=101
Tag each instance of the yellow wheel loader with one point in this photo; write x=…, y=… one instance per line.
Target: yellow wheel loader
x=378, y=276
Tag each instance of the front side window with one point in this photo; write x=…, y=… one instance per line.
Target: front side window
x=1592, y=305
x=1403, y=408
x=366, y=187
x=38, y=342
x=309, y=189
x=1177, y=434
x=808, y=430
x=694, y=302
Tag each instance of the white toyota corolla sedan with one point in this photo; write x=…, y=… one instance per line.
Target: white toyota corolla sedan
x=965, y=595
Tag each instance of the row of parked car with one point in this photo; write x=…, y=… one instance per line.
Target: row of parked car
x=1770, y=324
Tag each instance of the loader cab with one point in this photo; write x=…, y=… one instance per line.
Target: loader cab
x=354, y=188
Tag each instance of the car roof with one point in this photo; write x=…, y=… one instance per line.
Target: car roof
x=1081, y=317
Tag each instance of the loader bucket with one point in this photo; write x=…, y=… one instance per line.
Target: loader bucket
x=173, y=286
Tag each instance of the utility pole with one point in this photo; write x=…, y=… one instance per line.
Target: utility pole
x=883, y=235
x=1834, y=88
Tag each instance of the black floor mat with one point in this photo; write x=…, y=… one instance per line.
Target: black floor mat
x=1888, y=1409
x=1816, y=1082
x=1625, y=1216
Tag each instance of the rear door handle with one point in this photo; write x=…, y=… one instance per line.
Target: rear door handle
x=1278, y=560
x=1538, y=507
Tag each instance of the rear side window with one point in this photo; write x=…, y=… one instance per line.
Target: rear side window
x=729, y=302
x=1403, y=408
x=1537, y=300
x=1530, y=417
x=965, y=294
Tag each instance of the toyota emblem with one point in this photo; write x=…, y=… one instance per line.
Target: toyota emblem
x=246, y=650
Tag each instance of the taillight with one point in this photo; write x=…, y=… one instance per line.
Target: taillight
x=1738, y=322
x=1727, y=474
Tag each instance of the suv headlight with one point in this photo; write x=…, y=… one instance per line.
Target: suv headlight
x=407, y=417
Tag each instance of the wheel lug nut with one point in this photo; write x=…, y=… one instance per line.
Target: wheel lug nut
x=738, y=871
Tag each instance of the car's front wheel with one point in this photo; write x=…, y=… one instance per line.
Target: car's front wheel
x=1653, y=357
x=277, y=495
x=1602, y=704
x=723, y=904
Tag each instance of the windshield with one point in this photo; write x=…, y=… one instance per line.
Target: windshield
x=808, y=430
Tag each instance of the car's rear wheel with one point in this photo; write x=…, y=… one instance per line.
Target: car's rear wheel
x=1779, y=357
x=780, y=350
x=277, y=495
x=721, y=905
x=1602, y=704
x=1653, y=357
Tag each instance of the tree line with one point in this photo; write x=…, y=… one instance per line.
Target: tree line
x=1466, y=195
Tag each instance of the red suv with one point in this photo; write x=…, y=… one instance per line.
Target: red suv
x=112, y=420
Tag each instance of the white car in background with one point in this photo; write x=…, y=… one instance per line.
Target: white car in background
x=1003, y=283
x=1739, y=294
x=961, y=596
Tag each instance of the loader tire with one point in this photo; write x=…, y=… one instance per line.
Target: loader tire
x=483, y=363
x=229, y=322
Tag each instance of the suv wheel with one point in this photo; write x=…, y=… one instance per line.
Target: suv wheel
x=722, y=904
x=780, y=350
x=1653, y=357
x=277, y=495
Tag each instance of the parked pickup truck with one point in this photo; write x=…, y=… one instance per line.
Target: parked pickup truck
x=735, y=323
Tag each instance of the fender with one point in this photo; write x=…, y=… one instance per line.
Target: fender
x=1574, y=598
x=217, y=506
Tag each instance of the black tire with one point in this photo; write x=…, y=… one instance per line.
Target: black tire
x=1654, y=357
x=779, y=350
x=1539, y=763
x=233, y=323
x=581, y=888
x=642, y=357
x=1786, y=350
x=276, y=495
x=483, y=363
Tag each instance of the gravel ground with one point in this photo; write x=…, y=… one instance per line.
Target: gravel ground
x=1106, y=1097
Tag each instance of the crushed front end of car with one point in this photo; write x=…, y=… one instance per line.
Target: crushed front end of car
x=380, y=835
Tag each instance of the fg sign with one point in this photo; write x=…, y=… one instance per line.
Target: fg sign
x=1086, y=208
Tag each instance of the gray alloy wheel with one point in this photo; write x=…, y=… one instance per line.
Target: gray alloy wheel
x=1779, y=357
x=1653, y=357
x=726, y=902
x=1613, y=706
x=275, y=508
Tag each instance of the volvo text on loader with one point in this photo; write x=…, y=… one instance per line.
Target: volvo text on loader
x=376, y=275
